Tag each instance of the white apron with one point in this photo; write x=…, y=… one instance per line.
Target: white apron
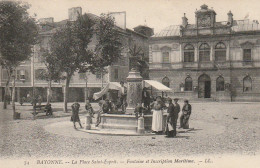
x=157, y=124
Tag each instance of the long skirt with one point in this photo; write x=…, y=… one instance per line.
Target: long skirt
x=157, y=123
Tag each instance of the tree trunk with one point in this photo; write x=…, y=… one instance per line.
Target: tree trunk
x=13, y=98
x=66, y=90
x=6, y=92
x=86, y=89
x=49, y=93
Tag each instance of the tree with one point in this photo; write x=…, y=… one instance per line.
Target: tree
x=18, y=33
x=108, y=47
x=69, y=47
x=52, y=72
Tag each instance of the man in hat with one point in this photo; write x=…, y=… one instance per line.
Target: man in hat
x=146, y=98
x=186, y=112
x=122, y=96
x=177, y=109
x=171, y=118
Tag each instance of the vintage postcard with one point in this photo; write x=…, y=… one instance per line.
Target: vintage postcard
x=119, y=83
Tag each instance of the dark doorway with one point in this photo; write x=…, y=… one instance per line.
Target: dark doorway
x=204, y=86
x=207, y=89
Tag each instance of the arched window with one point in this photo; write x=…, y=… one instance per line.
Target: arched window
x=166, y=81
x=188, y=84
x=220, y=83
x=220, y=52
x=204, y=52
x=189, y=53
x=247, y=84
x=165, y=57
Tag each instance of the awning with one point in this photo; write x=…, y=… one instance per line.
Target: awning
x=111, y=85
x=157, y=85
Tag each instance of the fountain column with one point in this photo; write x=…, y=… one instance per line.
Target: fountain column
x=134, y=90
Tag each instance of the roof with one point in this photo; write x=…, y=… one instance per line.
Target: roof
x=245, y=25
x=173, y=30
x=238, y=26
x=157, y=85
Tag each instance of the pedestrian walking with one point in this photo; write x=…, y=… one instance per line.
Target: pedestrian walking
x=185, y=116
x=75, y=114
x=157, y=120
x=171, y=120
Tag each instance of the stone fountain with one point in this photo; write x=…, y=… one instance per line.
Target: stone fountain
x=128, y=121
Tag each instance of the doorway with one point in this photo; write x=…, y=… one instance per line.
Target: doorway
x=204, y=86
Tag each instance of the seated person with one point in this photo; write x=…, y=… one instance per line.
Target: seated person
x=140, y=110
x=107, y=107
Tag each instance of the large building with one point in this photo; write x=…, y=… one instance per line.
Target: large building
x=213, y=60
x=28, y=73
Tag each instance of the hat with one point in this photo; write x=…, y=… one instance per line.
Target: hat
x=169, y=99
x=185, y=100
x=175, y=99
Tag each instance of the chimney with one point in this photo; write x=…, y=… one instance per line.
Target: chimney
x=74, y=13
x=184, y=21
x=230, y=18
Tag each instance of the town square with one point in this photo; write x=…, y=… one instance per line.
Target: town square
x=173, y=84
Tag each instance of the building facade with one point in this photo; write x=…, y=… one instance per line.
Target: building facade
x=29, y=72
x=209, y=59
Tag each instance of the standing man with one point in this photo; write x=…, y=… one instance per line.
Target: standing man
x=122, y=96
x=146, y=98
x=171, y=118
x=177, y=109
x=186, y=112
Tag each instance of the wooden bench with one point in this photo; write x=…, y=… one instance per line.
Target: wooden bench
x=41, y=109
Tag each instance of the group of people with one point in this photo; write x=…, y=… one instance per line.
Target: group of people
x=173, y=110
x=104, y=107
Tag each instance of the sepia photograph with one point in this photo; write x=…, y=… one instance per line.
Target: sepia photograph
x=120, y=83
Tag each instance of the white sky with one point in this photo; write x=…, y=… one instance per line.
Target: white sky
x=157, y=13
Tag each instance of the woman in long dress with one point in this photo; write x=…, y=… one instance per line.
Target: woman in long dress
x=157, y=122
x=75, y=114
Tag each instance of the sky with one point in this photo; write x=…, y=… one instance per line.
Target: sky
x=156, y=14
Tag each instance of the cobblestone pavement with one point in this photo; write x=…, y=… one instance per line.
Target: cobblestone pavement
x=219, y=128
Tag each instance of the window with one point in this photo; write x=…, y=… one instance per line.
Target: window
x=188, y=53
x=247, y=84
x=82, y=75
x=166, y=57
x=40, y=74
x=188, y=84
x=5, y=74
x=220, y=84
x=166, y=81
x=204, y=52
x=220, y=52
x=247, y=55
x=98, y=75
x=116, y=73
